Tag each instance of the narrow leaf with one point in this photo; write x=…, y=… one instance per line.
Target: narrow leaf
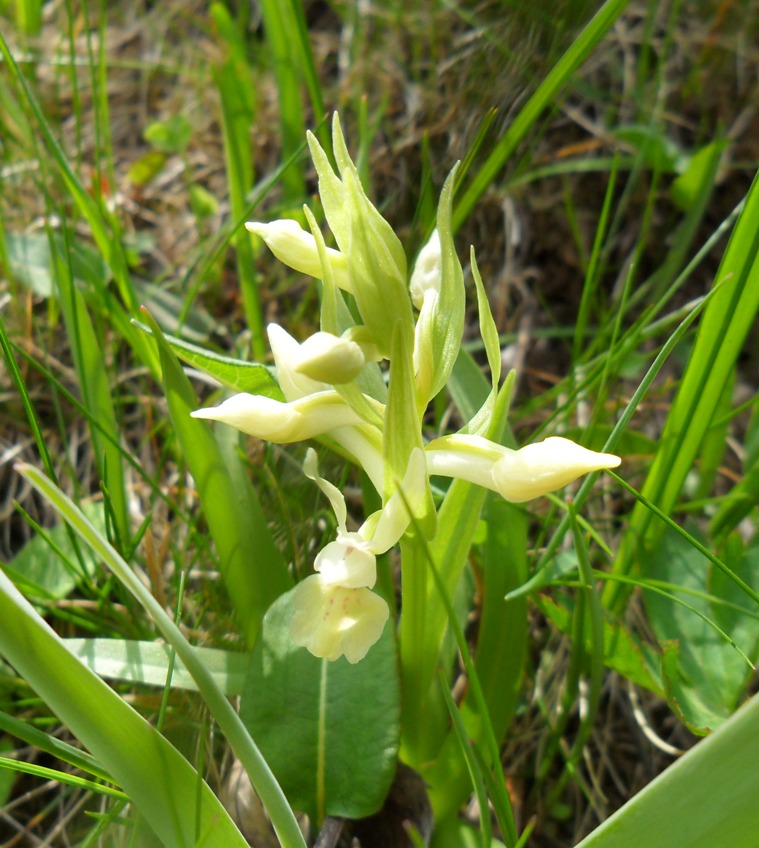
x=253, y=570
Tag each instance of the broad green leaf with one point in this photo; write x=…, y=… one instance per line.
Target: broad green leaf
x=329, y=730
x=237, y=374
x=251, y=565
x=164, y=787
x=706, y=799
x=148, y=663
x=711, y=675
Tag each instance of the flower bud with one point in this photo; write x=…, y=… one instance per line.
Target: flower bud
x=296, y=247
x=544, y=467
x=517, y=475
x=278, y=422
x=330, y=359
x=426, y=276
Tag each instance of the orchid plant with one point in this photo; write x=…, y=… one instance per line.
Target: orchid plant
x=335, y=390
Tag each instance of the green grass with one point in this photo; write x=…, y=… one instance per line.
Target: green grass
x=605, y=184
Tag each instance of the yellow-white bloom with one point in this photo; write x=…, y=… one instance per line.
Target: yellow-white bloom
x=279, y=422
x=537, y=469
x=335, y=610
x=332, y=621
x=296, y=247
x=287, y=356
x=425, y=290
x=312, y=408
x=517, y=475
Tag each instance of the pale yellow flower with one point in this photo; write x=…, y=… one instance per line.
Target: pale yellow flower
x=296, y=247
x=517, y=475
x=332, y=621
x=266, y=418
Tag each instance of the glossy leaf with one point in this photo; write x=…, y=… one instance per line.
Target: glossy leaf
x=706, y=799
x=148, y=663
x=237, y=374
x=710, y=675
x=218, y=704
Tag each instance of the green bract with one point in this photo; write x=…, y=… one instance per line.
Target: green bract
x=376, y=260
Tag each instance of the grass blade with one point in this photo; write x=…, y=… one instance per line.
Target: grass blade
x=237, y=112
x=95, y=215
x=726, y=321
x=222, y=710
x=540, y=100
x=252, y=567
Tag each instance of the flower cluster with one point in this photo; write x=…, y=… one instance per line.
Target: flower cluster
x=335, y=390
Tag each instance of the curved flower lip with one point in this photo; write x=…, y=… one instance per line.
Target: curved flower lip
x=296, y=247
x=332, y=621
x=394, y=519
x=517, y=475
x=282, y=423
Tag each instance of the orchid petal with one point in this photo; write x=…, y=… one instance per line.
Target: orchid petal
x=332, y=621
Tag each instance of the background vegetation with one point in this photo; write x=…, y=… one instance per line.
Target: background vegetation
x=605, y=161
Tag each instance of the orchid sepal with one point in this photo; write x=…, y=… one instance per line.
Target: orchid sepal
x=283, y=423
x=517, y=475
x=296, y=248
